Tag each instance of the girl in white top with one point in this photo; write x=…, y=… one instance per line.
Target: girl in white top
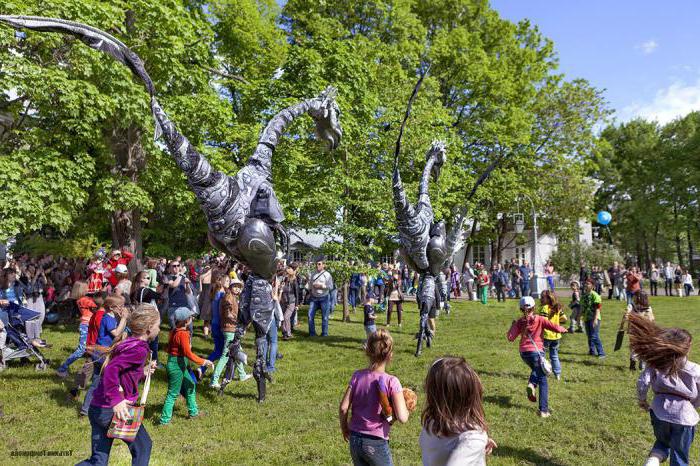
x=454, y=428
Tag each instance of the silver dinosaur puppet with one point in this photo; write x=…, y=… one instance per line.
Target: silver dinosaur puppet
x=242, y=211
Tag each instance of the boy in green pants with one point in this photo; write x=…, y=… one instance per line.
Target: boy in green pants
x=179, y=378
x=229, y=318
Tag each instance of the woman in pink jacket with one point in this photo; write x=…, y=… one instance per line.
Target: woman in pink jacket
x=530, y=327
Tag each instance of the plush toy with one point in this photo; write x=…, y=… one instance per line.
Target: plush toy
x=411, y=399
x=387, y=410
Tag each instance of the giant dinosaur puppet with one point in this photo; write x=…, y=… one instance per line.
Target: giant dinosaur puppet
x=242, y=211
x=426, y=246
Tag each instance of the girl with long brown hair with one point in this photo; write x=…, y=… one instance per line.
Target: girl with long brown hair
x=552, y=310
x=454, y=425
x=675, y=382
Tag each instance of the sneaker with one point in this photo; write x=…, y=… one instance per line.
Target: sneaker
x=601, y=356
x=544, y=413
x=652, y=461
x=531, y=392
x=557, y=376
x=62, y=374
x=246, y=377
x=215, y=386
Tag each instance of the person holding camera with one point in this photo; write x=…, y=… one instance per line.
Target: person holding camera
x=178, y=289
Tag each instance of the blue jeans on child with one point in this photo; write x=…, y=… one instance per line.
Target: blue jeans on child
x=367, y=450
x=270, y=346
x=324, y=304
x=537, y=377
x=595, y=346
x=218, y=337
x=79, y=351
x=672, y=440
x=100, y=419
x=553, y=347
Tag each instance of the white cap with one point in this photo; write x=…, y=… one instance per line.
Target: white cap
x=527, y=302
x=121, y=268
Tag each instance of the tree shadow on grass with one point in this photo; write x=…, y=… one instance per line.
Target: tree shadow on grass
x=502, y=401
x=504, y=451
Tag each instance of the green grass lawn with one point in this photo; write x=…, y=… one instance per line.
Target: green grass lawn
x=595, y=418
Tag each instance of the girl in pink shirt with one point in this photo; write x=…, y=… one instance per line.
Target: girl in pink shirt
x=368, y=429
x=530, y=327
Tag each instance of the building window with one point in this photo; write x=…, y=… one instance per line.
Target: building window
x=298, y=256
x=479, y=253
x=520, y=254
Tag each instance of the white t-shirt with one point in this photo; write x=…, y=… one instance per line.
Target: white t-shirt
x=465, y=449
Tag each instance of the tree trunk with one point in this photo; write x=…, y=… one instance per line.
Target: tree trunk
x=468, y=249
x=656, y=242
x=678, y=236
x=346, y=308
x=647, y=258
x=691, y=250
x=129, y=157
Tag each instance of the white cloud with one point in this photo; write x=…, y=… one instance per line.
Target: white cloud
x=671, y=102
x=647, y=47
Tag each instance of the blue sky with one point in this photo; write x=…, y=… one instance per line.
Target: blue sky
x=645, y=54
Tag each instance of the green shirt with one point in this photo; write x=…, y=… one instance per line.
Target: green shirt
x=589, y=303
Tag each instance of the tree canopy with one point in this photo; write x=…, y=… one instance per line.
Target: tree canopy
x=80, y=160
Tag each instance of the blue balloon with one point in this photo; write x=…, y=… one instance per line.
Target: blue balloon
x=604, y=217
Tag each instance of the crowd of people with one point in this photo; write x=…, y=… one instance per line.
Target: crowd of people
x=120, y=311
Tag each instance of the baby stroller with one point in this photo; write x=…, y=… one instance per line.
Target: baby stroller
x=14, y=343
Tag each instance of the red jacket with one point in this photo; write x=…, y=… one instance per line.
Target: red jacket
x=531, y=327
x=113, y=263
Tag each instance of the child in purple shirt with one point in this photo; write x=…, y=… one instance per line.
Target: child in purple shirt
x=675, y=382
x=122, y=371
x=368, y=429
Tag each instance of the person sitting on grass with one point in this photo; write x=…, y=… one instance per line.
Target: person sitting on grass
x=228, y=308
x=674, y=381
x=368, y=429
x=591, y=304
x=529, y=327
x=179, y=376
x=122, y=371
x=454, y=426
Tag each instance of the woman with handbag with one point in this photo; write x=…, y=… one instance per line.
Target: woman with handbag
x=529, y=327
x=115, y=397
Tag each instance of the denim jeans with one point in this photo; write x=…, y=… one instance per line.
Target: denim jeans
x=537, y=377
x=100, y=418
x=553, y=347
x=525, y=288
x=672, y=440
x=353, y=296
x=218, y=337
x=369, y=451
x=314, y=304
x=79, y=350
x=595, y=346
x=270, y=346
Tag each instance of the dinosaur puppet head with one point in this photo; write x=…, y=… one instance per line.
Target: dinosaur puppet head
x=438, y=153
x=325, y=112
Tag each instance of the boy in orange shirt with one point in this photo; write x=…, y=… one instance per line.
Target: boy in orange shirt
x=179, y=378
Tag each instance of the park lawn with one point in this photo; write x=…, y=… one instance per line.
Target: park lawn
x=595, y=417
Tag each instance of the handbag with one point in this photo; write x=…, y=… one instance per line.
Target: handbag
x=544, y=362
x=127, y=430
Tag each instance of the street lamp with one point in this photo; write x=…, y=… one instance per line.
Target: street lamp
x=519, y=227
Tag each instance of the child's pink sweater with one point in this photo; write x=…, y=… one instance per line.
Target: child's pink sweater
x=531, y=325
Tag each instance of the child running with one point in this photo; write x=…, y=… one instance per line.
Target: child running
x=122, y=371
x=552, y=311
x=86, y=306
x=454, y=426
x=590, y=308
x=368, y=430
x=530, y=327
x=674, y=381
x=179, y=377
